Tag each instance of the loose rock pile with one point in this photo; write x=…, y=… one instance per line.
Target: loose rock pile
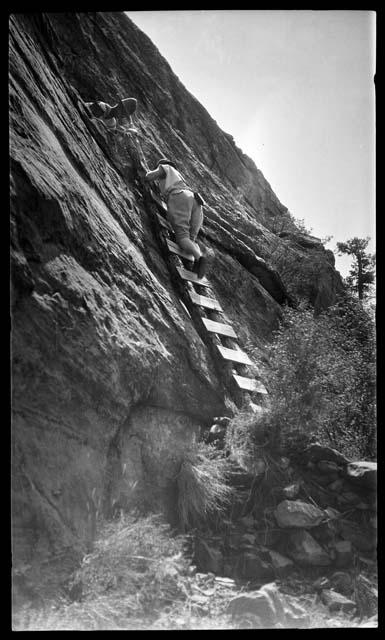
x=316, y=515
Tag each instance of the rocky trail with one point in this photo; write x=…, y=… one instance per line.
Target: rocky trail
x=309, y=527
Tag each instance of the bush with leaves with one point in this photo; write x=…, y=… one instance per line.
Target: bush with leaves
x=247, y=435
x=321, y=382
x=355, y=327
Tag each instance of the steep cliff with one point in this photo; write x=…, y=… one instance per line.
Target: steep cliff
x=110, y=379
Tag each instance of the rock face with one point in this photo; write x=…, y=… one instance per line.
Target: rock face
x=111, y=381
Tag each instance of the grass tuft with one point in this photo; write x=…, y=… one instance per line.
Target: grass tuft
x=202, y=488
x=138, y=567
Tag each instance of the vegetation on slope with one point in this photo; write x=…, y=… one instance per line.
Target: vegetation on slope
x=321, y=381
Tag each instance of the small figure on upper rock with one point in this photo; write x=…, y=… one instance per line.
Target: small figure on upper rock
x=184, y=210
x=110, y=116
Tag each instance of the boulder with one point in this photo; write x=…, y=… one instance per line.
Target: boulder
x=296, y=617
x=281, y=564
x=337, y=602
x=302, y=548
x=329, y=466
x=277, y=599
x=258, y=603
x=296, y=513
x=363, y=474
x=270, y=607
x=315, y=452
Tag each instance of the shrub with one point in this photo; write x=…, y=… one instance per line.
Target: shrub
x=138, y=556
x=202, y=488
x=321, y=384
x=136, y=569
x=246, y=437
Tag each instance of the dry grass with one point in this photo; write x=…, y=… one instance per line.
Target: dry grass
x=137, y=569
x=247, y=438
x=202, y=488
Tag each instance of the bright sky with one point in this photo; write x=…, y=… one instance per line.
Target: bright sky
x=295, y=89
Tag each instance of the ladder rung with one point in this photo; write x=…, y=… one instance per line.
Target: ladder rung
x=219, y=327
x=249, y=384
x=234, y=355
x=203, y=301
x=175, y=248
x=192, y=277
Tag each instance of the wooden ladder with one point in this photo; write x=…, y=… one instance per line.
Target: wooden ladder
x=207, y=314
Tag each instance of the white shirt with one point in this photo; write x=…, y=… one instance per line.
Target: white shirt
x=173, y=179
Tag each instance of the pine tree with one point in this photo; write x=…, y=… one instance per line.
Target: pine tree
x=361, y=274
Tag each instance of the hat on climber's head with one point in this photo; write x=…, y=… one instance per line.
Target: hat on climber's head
x=166, y=161
x=126, y=107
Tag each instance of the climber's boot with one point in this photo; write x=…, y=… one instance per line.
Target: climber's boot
x=201, y=266
x=124, y=108
x=190, y=265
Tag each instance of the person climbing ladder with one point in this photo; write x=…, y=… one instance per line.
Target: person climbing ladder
x=110, y=116
x=184, y=210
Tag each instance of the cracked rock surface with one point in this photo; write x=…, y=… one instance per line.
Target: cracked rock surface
x=111, y=381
